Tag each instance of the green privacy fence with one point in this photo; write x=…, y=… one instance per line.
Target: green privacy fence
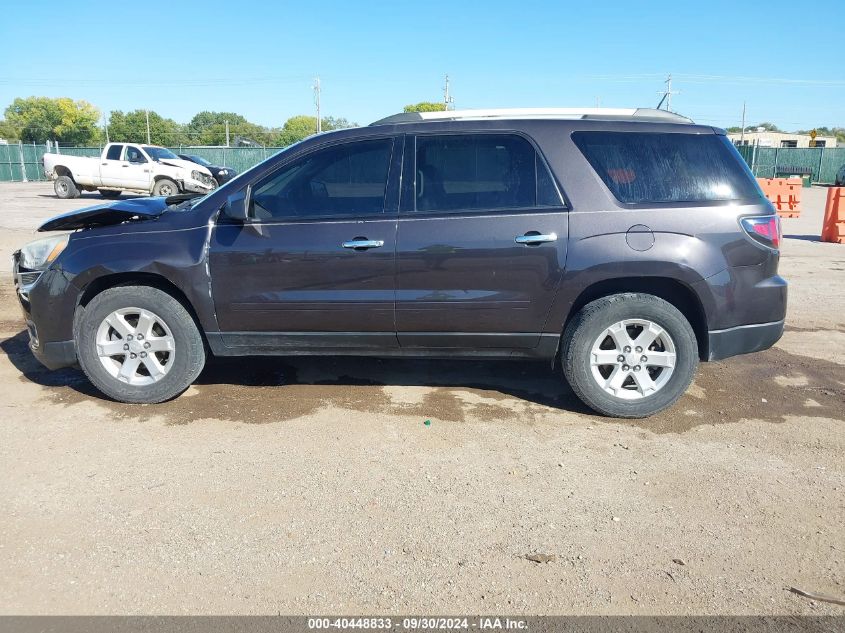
x=771, y=162
x=22, y=162
x=19, y=160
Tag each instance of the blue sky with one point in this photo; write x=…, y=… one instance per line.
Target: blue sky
x=259, y=58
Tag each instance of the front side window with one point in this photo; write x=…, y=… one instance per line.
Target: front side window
x=480, y=172
x=114, y=152
x=348, y=179
x=648, y=167
x=134, y=155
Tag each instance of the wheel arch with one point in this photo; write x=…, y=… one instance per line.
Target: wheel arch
x=677, y=293
x=152, y=280
x=61, y=170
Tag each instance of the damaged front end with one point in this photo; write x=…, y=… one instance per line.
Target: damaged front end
x=107, y=214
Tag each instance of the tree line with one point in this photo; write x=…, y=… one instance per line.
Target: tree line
x=837, y=132
x=79, y=123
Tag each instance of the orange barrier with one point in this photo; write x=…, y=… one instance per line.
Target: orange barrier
x=833, y=226
x=784, y=194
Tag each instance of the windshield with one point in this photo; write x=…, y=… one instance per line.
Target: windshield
x=199, y=160
x=158, y=153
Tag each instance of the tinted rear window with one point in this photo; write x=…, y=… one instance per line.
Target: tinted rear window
x=114, y=152
x=641, y=167
x=480, y=172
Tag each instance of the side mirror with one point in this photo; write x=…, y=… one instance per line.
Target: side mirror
x=236, y=207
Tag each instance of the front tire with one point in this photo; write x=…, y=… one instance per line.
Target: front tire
x=629, y=355
x=165, y=187
x=138, y=344
x=65, y=188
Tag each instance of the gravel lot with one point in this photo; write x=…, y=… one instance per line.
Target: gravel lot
x=313, y=486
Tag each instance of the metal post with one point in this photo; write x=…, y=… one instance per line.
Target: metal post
x=775, y=168
x=23, y=166
x=754, y=157
x=819, y=177
x=317, y=103
x=227, y=134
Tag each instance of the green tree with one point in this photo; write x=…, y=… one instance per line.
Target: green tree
x=336, y=123
x=8, y=132
x=131, y=127
x=821, y=130
x=301, y=126
x=209, y=128
x=38, y=119
x=425, y=106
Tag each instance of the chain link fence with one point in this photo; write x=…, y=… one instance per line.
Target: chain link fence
x=23, y=162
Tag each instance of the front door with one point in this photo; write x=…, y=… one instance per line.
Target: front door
x=136, y=169
x=481, y=244
x=314, y=266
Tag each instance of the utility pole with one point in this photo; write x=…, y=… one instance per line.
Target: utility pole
x=667, y=94
x=106, y=128
x=742, y=133
x=317, y=103
x=227, y=134
x=147, y=113
x=448, y=100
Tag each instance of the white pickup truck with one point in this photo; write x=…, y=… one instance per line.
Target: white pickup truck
x=127, y=167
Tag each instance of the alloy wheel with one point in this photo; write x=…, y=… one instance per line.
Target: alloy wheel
x=135, y=346
x=633, y=359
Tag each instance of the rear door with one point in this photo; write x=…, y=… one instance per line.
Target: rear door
x=314, y=267
x=111, y=165
x=481, y=243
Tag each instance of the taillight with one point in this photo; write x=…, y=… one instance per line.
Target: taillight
x=764, y=229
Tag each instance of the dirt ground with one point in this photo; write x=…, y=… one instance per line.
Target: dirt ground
x=313, y=485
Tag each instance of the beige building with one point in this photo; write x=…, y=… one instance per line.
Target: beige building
x=762, y=138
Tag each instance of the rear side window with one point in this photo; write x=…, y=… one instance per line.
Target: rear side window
x=642, y=167
x=114, y=152
x=464, y=172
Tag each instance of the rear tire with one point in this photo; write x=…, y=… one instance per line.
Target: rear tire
x=615, y=376
x=65, y=188
x=110, y=194
x=165, y=187
x=138, y=344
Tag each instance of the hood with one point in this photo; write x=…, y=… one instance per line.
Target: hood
x=108, y=213
x=184, y=164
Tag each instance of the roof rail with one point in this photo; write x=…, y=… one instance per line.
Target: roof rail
x=604, y=114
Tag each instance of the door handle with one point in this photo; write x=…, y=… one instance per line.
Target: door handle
x=533, y=237
x=360, y=243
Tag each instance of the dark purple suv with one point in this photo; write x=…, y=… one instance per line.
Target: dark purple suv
x=627, y=244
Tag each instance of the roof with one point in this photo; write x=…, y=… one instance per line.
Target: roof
x=602, y=114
